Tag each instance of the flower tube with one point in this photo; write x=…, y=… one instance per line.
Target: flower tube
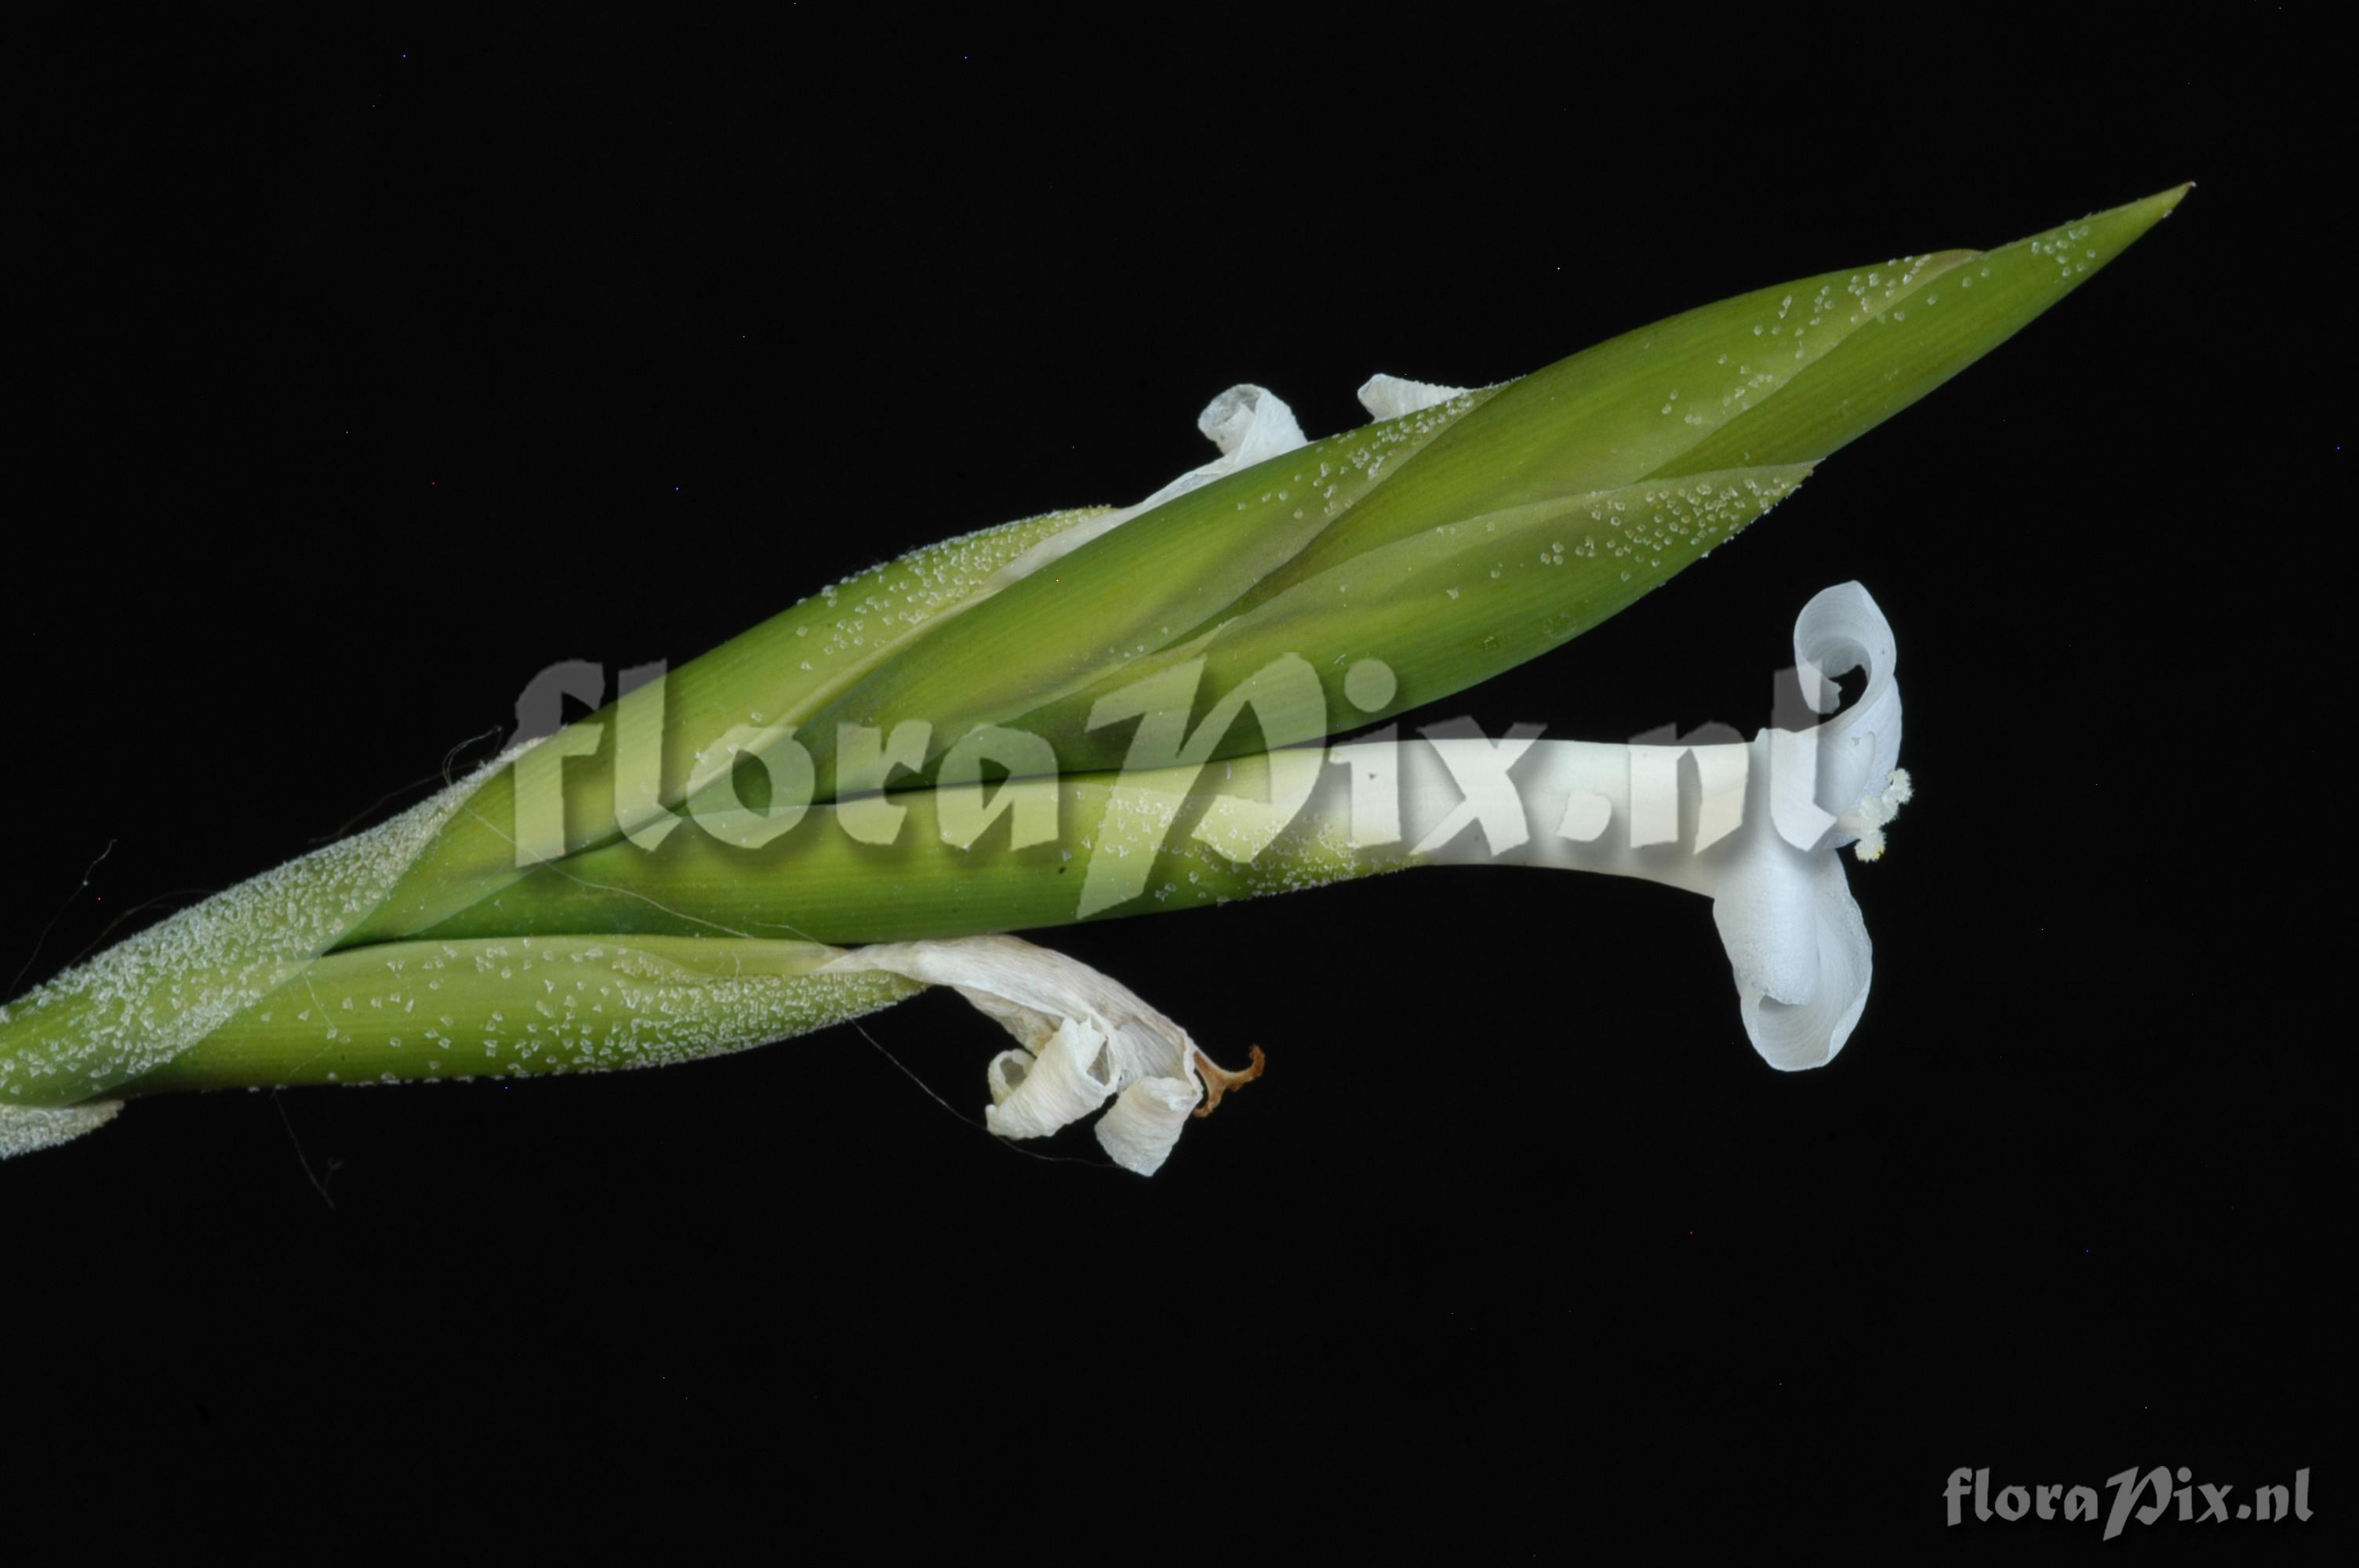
x=1760, y=833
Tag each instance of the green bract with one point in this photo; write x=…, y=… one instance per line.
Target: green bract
x=623, y=893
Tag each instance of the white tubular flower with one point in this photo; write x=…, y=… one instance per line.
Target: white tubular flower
x=1083, y=1039
x=1249, y=425
x=1758, y=836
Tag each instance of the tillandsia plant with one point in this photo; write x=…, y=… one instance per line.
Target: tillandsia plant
x=1105, y=712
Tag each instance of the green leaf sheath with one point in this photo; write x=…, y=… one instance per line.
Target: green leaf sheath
x=1451, y=605
x=511, y=1007
x=783, y=669
x=820, y=883
x=658, y=984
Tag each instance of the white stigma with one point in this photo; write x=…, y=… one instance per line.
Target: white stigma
x=1867, y=819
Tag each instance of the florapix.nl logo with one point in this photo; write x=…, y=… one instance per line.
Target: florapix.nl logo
x=2147, y=1497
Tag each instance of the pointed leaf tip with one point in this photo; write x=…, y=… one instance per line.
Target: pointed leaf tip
x=1906, y=327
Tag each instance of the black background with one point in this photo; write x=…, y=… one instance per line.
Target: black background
x=371, y=373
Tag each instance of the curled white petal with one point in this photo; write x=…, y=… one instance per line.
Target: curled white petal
x=1008, y=1070
x=1839, y=631
x=1147, y=1121
x=1807, y=1025
x=1072, y=1077
x=1391, y=396
x=1796, y=947
x=1249, y=423
x=1086, y=1038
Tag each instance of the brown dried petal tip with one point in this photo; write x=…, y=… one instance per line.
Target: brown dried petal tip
x=1219, y=1081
